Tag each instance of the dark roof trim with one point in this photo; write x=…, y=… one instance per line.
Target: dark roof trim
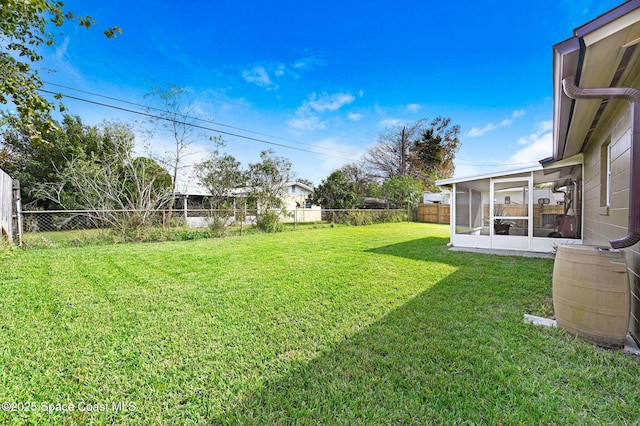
x=547, y=161
x=568, y=60
x=567, y=46
x=606, y=18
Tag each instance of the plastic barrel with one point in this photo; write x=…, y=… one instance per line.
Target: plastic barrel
x=591, y=293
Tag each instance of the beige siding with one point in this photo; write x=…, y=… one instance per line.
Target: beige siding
x=602, y=225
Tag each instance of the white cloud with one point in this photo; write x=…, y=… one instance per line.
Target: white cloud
x=389, y=122
x=539, y=148
x=327, y=102
x=480, y=131
x=413, y=108
x=265, y=74
x=476, y=132
x=308, y=63
x=61, y=49
x=355, y=116
x=542, y=128
x=259, y=76
x=280, y=70
x=305, y=123
x=545, y=126
x=308, y=115
x=539, y=145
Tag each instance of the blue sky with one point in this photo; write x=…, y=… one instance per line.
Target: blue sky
x=330, y=76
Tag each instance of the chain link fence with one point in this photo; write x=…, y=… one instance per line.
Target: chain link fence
x=65, y=220
x=60, y=220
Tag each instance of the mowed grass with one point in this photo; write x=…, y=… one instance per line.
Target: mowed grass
x=369, y=325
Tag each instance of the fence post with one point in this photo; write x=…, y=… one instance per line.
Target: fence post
x=185, y=206
x=17, y=201
x=295, y=218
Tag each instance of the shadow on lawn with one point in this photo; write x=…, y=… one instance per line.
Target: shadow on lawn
x=428, y=249
x=453, y=350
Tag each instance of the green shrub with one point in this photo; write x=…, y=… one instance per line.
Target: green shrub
x=218, y=225
x=360, y=218
x=177, y=222
x=390, y=216
x=269, y=221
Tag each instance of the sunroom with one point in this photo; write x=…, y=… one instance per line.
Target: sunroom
x=532, y=209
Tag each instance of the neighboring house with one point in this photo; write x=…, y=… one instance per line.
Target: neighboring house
x=295, y=200
x=594, y=172
x=443, y=197
x=542, y=196
x=373, y=203
x=297, y=204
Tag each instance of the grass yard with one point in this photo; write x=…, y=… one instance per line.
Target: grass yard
x=370, y=325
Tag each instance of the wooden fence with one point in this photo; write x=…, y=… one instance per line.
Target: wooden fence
x=433, y=213
x=6, y=206
x=542, y=215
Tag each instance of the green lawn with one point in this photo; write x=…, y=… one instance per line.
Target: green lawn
x=370, y=325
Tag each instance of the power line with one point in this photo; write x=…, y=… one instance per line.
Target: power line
x=464, y=163
x=193, y=125
x=187, y=116
x=460, y=162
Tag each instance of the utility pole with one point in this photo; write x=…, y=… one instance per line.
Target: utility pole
x=403, y=153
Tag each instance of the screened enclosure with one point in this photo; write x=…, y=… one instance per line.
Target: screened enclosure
x=532, y=209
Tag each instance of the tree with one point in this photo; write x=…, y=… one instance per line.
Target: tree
x=336, y=192
x=424, y=150
x=360, y=177
x=389, y=157
x=37, y=163
x=267, y=184
x=401, y=191
x=220, y=173
x=433, y=153
x=123, y=191
x=23, y=30
x=175, y=121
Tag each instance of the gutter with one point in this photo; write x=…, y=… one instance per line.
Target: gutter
x=631, y=95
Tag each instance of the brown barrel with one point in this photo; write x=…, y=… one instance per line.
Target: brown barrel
x=591, y=293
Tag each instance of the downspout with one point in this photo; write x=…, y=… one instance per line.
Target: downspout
x=632, y=95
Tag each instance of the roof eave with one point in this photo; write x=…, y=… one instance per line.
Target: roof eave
x=568, y=59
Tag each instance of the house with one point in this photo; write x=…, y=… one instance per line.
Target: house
x=443, y=197
x=596, y=82
x=297, y=204
x=594, y=171
x=194, y=205
x=372, y=203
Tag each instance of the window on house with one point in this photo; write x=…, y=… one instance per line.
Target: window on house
x=605, y=174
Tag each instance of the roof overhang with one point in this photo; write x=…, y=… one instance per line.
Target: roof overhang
x=548, y=166
x=498, y=174
x=602, y=53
